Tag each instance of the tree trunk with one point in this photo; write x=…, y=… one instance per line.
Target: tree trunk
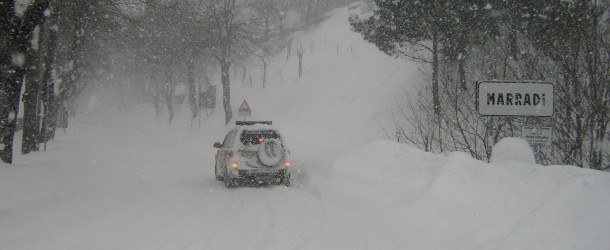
x=47, y=59
x=226, y=90
x=11, y=89
x=435, y=68
x=48, y=83
x=243, y=74
x=300, y=56
x=266, y=49
x=8, y=30
x=264, y=72
x=9, y=95
x=50, y=113
x=30, y=103
x=288, y=49
x=513, y=33
x=169, y=93
x=37, y=73
x=155, y=93
x=435, y=88
x=462, y=72
x=190, y=68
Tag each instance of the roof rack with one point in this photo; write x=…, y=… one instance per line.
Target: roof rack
x=245, y=123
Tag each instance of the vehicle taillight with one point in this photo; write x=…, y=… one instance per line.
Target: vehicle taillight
x=288, y=164
x=261, y=140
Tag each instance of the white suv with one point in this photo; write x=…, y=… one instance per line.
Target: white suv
x=252, y=153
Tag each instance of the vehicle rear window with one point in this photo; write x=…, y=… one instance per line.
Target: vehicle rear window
x=252, y=137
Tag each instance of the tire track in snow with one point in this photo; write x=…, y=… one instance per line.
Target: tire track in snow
x=295, y=218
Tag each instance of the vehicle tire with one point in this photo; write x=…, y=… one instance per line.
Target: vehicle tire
x=218, y=177
x=229, y=182
x=285, y=180
x=271, y=153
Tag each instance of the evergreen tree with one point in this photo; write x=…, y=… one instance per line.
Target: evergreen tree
x=403, y=28
x=469, y=24
x=406, y=28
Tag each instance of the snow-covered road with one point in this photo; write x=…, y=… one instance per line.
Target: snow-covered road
x=139, y=187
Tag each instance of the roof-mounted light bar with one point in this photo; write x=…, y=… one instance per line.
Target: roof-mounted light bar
x=245, y=123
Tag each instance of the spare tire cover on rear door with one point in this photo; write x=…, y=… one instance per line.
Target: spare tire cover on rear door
x=271, y=152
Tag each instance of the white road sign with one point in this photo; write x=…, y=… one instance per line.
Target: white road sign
x=537, y=136
x=244, y=109
x=499, y=98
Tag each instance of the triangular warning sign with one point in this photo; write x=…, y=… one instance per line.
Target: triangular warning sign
x=244, y=107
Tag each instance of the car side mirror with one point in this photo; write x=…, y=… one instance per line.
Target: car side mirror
x=217, y=145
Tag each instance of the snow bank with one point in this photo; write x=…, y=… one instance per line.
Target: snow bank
x=388, y=195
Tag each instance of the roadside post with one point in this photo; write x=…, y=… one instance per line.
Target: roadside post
x=520, y=99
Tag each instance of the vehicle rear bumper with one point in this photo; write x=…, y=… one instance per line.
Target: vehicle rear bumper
x=261, y=175
x=245, y=176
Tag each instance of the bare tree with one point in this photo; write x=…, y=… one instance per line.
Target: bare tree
x=269, y=12
x=167, y=31
x=232, y=35
x=88, y=32
x=574, y=36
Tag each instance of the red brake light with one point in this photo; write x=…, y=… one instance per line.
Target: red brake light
x=288, y=164
x=261, y=140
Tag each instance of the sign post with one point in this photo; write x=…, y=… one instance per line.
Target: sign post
x=244, y=110
x=528, y=99
x=537, y=136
